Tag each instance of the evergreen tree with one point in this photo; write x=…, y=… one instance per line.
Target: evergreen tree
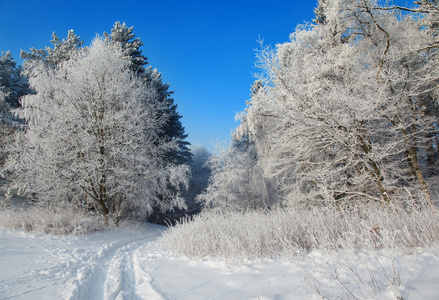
x=237, y=182
x=124, y=35
x=51, y=57
x=173, y=129
x=319, y=11
x=12, y=87
x=11, y=80
x=200, y=174
x=6, y=129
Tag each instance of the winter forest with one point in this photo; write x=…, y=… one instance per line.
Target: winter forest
x=337, y=149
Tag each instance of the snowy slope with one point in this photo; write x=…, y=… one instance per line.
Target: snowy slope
x=135, y=264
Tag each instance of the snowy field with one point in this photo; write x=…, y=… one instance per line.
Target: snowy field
x=135, y=264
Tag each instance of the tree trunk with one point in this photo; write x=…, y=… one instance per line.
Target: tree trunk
x=103, y=201
x=413, y=162
x=420, y=177
x=374, y=170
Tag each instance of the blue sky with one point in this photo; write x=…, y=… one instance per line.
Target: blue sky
x=204, y=49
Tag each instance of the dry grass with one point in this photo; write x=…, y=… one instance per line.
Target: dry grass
x=44, y=221
x=288, y=232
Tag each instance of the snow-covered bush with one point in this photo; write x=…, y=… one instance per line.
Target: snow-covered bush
x=42, y=221
x=288, y=232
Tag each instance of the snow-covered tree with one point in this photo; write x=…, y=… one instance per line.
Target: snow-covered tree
x=173, y=129
x=11, y=80
x=122, y=34
x=5, y=128
x=51, y=57
x=12, y=87
x=93, y=137
x=200, y=174
x=341, y=114
x=319, y=11
x=3, y=105
x=237, y=182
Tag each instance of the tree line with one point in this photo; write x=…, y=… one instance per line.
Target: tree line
x=345, y=112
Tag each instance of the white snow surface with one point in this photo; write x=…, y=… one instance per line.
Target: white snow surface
x=136, y=264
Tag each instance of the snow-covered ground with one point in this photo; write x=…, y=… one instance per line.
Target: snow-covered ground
x=135, y=264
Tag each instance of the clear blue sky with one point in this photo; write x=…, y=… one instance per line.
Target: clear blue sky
x=204, y=49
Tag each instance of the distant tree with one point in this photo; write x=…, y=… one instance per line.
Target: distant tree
x=93, y=137
x=237, y=182
x=200, y=174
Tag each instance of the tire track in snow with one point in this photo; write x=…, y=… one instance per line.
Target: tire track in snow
x=144, y=288
x=120, y=279
x=112, y=273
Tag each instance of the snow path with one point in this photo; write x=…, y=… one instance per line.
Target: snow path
x=111, y=272
x=99, y=266
x=134, y=264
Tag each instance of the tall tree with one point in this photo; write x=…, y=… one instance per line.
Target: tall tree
x=93, y=137
x=173, y=129
x=7, y=127
x=341, y=116
x=51, y=57
x=13, y=86
x=320, y=13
